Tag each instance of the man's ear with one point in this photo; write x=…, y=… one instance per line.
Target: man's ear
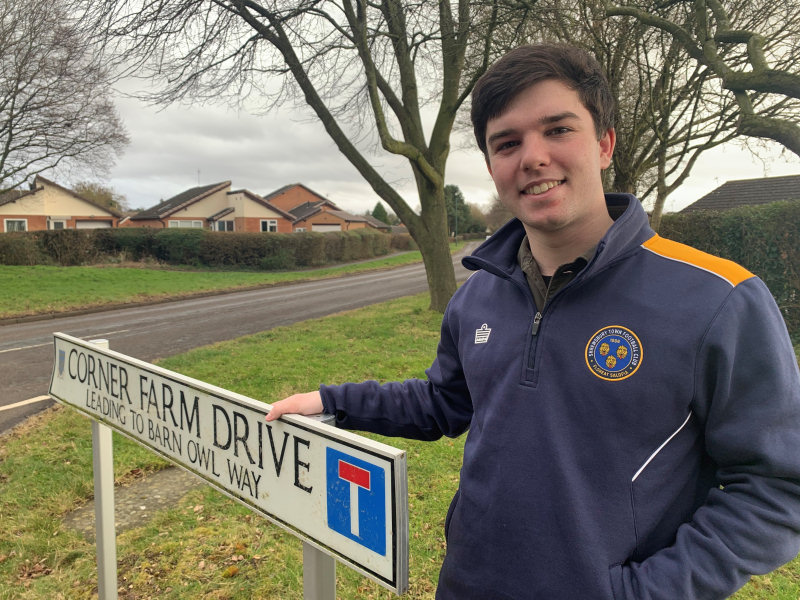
x=607, y=143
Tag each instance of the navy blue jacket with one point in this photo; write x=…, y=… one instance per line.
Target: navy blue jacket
x=637, y=438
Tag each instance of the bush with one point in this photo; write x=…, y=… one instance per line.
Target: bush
x=764, y=239
x=403, y=242
x=310, y=249
x=179, y=246
x=68, y=247
x=282, y=260
x=20, y=249
x=196, y=247
x=127, y=242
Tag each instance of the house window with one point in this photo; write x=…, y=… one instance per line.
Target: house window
x=223, y=226
x=58, y=224
x=300, y=229
x=184, y=224
x=16, y=225
x=270, y=225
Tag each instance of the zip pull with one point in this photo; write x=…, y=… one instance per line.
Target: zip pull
x=536, y=321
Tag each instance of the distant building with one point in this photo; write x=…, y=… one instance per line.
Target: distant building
x=314, y=212
x=290, y=208
x=748, y=192
x=378, y=224
x=215, y=207
x=293, y=195
x=47, y=205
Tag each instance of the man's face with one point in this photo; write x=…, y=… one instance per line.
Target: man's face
x=546, y=161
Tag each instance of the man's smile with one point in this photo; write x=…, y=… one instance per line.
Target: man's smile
x=541, y=188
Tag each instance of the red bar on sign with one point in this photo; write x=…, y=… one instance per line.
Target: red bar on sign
x=354, y=474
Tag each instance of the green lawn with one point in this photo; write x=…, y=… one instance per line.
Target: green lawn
x=40, y=289
x=208, y=546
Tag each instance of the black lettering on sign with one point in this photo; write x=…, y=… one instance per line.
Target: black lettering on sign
x=188, y=421
x=277, y=461
x=162, y=402
x=244, y=478
x=105, y=406
x=90, y=370
x=202, y=456
x=240, y=436
x=99, y=373
x=165, y=437
x=298, y=463
x=216, y=411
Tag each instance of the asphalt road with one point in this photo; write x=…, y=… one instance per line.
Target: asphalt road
x=159, y=330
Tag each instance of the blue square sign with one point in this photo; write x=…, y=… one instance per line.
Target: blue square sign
x=356, y=500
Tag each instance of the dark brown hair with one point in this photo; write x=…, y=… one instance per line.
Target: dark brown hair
x=527, y=65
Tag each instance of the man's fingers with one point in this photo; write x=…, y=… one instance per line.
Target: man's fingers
x=309, y=403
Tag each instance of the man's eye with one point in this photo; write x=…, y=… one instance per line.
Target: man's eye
x=505, y=145
x=559, y=130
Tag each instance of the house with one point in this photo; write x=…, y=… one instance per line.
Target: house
x=378, y=224
x=215, y=207
x=48, y=205
x=295, y=194
x=749, y=192
x=319, y=216
x=313, y=212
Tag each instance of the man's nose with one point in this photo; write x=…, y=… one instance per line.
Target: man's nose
x=534, y=154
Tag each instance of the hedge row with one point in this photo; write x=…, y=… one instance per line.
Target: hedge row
x=764, y=239
x=196, y=247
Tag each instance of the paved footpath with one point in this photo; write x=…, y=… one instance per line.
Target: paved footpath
x=138, y=501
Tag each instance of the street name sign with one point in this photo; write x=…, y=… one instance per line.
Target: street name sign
x=340, y=492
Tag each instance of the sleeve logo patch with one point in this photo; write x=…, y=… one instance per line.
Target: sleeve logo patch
x=614, y=353
x=482, y=334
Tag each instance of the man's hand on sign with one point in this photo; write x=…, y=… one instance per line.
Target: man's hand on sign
x=309, y=403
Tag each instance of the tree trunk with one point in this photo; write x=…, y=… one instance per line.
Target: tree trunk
x=658, y=210
x=661, y=187
x=438, y=261
x=430, y=233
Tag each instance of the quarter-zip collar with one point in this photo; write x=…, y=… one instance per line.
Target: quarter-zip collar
x=498, y=254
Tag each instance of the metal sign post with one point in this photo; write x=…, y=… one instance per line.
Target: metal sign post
x=105, y=531
x=344, y=495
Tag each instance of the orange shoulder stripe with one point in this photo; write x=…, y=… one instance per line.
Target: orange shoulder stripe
x=726, y=269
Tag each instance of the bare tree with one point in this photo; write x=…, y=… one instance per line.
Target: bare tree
x=667, y=113
x=391, y=73
x=497, y=214
x=752, y=47
x=55, y=107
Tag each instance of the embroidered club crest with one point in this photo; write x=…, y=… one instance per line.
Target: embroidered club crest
x=482, y=334
x=614, y=353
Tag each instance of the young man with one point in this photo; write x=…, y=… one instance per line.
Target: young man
x=633, y=405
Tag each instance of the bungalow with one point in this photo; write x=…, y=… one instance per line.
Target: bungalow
x=48, y=205
x=378, y=224
x=295, y=194
x=313, y=212
x=215, y=207
x=319, y=216
x=748, y=192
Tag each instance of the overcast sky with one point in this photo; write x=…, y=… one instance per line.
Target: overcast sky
x=177, y=148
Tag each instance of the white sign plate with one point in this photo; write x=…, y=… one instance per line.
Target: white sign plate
x=344, y=494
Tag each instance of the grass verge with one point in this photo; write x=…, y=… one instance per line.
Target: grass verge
x=208, y=546
x=34, y=290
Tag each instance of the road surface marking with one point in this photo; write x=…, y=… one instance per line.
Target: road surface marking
x=25, y=402
x=93, y=336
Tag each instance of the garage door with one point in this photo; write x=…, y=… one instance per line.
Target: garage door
x=325, y=227
x=92, y=224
